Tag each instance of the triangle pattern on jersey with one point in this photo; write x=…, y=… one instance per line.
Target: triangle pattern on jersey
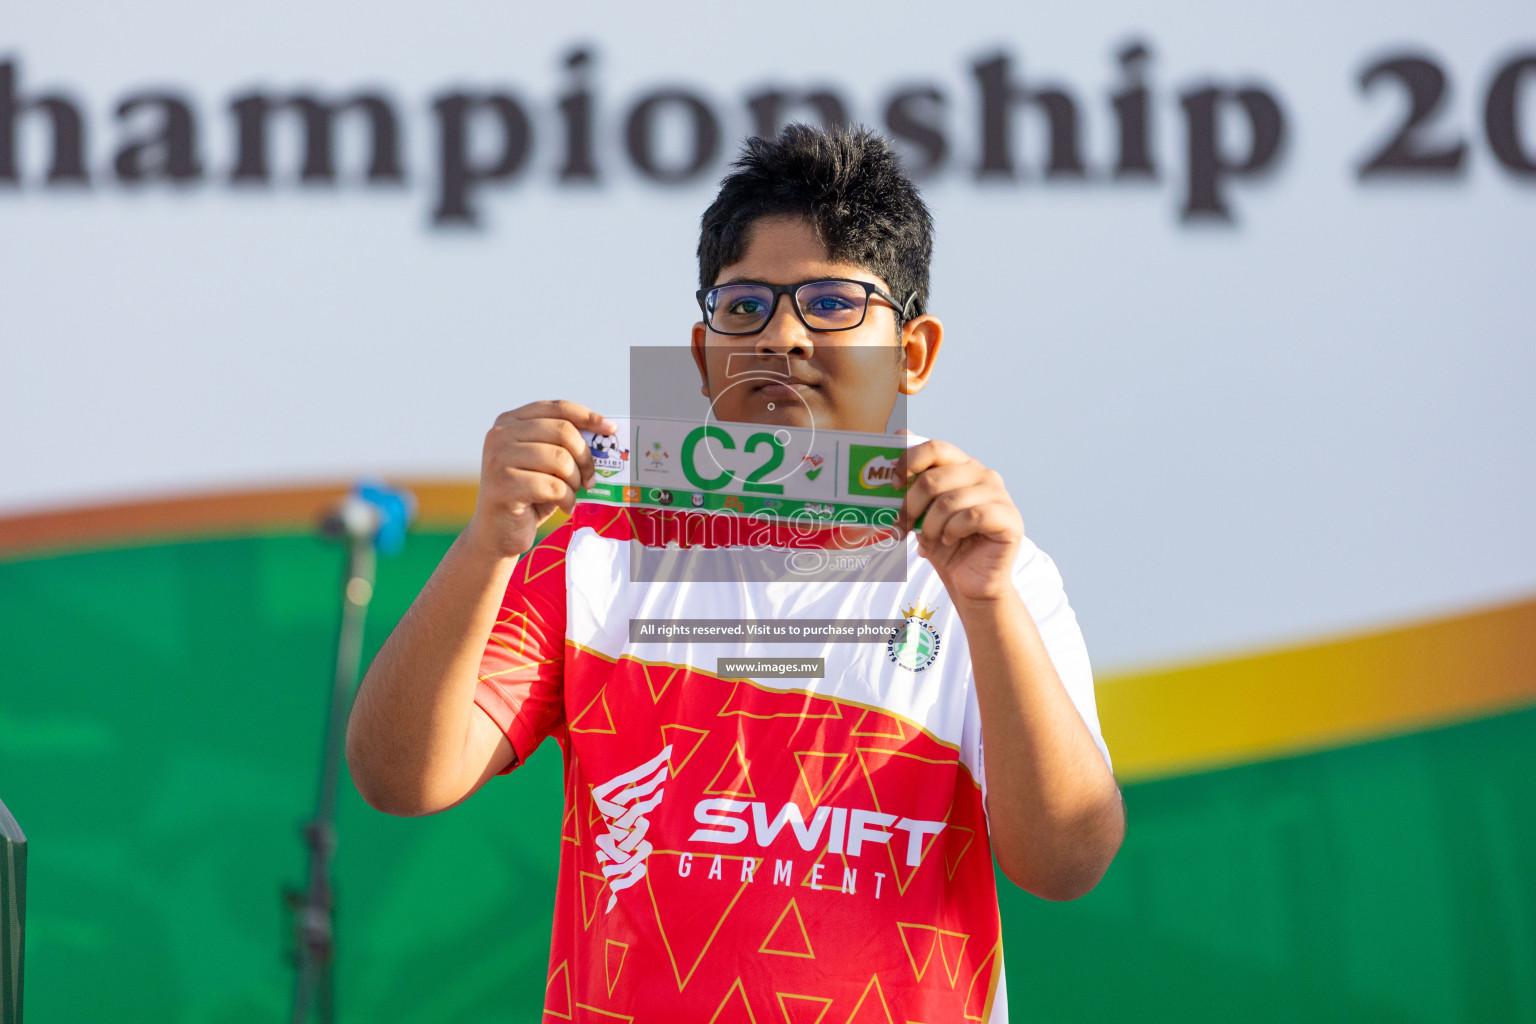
x=751, y=702
x=689, y=917
x=614, y=954
x=799, y=1009
x=920, y=941
x=788, y=936
x=593, y=1015
x=540, y=559
x=877, y=723
x=568, y=826
x=978, y=1000
x=580, y=831
x=658, y=678
x=872, y=1007
x=557, y=992
x=681, y=738
x=734, y=1008
x=732, y=778
x=831, y=874
x=590, y=887
x=612, y=527
x=595, y=717
x=900, y=869
x=952, y=952
x=515, y=640
x=818, y=772
x=957, y=844
x=595, y=823
x=903, y=784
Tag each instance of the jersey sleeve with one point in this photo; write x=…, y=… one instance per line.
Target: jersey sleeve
x=1039, y=584
x=522, y=670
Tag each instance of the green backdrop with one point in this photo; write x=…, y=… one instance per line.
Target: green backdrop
x=161, y=710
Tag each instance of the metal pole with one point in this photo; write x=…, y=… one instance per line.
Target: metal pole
x=13, y=915
x=315, y=906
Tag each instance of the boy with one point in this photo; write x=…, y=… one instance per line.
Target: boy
x=754, y=849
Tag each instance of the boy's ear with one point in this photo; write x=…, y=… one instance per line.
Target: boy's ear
x=697, y=344
x=920, y=340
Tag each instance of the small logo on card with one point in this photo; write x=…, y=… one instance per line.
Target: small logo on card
x=608, y=456
x=872, y=470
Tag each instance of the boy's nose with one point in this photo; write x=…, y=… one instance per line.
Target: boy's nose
x=784, y=333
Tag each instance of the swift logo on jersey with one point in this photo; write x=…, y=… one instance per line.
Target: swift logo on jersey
x=848, y=832
x=624, y=801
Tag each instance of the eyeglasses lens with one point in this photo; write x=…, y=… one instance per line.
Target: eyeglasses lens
x=831, y=305
x=739, y=308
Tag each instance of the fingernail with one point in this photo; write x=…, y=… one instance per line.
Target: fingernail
x=591, y=479
x=610, y=427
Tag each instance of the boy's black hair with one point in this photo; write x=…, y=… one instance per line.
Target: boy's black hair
x=849, y=184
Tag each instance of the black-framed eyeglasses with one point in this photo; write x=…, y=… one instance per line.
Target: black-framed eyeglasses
x=830, y=304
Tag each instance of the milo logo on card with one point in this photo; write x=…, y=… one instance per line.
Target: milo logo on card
x=872, y=470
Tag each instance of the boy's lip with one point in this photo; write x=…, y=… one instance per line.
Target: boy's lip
x=787, y=386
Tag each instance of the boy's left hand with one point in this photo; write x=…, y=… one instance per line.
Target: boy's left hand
x=971, y=528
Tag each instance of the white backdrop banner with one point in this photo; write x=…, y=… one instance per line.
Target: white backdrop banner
x=1238, y=299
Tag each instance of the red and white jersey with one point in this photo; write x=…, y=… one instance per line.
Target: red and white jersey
x=760, y=850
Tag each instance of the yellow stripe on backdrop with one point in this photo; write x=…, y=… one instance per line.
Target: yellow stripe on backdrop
x=1332, y=694
x=1158, y=723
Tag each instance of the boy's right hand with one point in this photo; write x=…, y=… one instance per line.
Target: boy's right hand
x=534, y=462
